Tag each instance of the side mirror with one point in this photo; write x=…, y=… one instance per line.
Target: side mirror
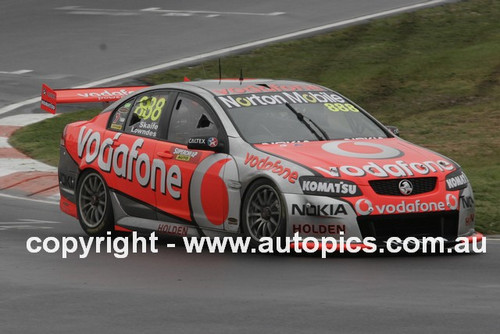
x=394, y=130
x=205, y=144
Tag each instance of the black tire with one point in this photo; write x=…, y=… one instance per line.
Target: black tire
x=94, y=205
x=263, y=212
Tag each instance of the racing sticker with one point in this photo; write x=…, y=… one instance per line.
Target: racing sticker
x=456, y=180
x=319, y=229
x=147, y=112
x=51, y=97
x=365, y=207
x=129, y=162
x=361, y=150
x=322, y=210
x=269, y=164
x=248, y=89
x=212, y=142
x=313, y=185
x=209, y=194
x=182, y=154
x=399, y=168
x=330, y=100
x=120, y=117
x=48, y=100
x=466, y=209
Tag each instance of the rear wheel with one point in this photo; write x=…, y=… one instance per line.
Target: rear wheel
x=263, y=212
x=94, y=205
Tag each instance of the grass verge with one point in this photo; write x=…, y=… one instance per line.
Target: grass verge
x=434, y=73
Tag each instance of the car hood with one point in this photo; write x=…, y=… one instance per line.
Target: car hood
x=364, y=159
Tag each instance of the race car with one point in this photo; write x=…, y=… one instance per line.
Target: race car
x=256, y=158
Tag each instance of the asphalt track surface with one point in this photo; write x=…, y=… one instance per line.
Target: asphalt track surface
x=67, y=43
x=173, y=291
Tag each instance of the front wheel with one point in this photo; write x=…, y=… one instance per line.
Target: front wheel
x=263, y=212
x=94, y=205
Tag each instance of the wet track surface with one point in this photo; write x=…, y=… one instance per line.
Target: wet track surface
x=67, y=43
x=173, y=291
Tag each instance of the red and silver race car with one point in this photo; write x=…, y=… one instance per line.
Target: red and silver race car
x=256, y=158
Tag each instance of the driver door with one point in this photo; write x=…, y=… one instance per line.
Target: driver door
x=197, y=193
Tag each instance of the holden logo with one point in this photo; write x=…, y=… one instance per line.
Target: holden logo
x=405, y=187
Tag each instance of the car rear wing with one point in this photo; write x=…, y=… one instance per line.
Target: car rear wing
x=51, y=97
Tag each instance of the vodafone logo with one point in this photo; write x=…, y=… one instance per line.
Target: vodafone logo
x=276, y=167
x=364, y=207
x=129, y=162
x=108, y=94
x=209, y=194
x=452, y=201
x=361, y=150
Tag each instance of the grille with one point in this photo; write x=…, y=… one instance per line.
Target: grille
x=433, y=224
x=391, y=187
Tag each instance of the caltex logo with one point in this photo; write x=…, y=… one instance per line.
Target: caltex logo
x=212, y=142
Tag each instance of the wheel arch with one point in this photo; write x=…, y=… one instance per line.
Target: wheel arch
x=245, y=193
x=108, y=223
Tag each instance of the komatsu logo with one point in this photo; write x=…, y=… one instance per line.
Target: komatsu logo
x=128, y=163
x=313, y=185
x=456, y=181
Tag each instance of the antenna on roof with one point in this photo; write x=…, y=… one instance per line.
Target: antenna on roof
x=241, y=76
x=204, y=71
x=220, y=72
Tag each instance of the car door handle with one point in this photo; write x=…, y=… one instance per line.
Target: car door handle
x=165, y=155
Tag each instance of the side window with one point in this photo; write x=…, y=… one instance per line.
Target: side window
x=190, y=118
x=146, y=111
x=119, y=116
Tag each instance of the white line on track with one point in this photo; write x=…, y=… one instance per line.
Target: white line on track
x=98, y=11
x=236, y=48
x=29, y=199
x=19, y=72
x=25, y=119
x=30, y=221
x=23, y=227
x=205, y=12
x=155, y=10
x=492, y=239
x=14, y=106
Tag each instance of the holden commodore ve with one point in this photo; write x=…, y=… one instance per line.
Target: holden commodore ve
x=259, y=158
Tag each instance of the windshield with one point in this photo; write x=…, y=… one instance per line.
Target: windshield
x=298, y=116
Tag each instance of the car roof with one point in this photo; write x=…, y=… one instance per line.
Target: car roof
x=246, y=86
